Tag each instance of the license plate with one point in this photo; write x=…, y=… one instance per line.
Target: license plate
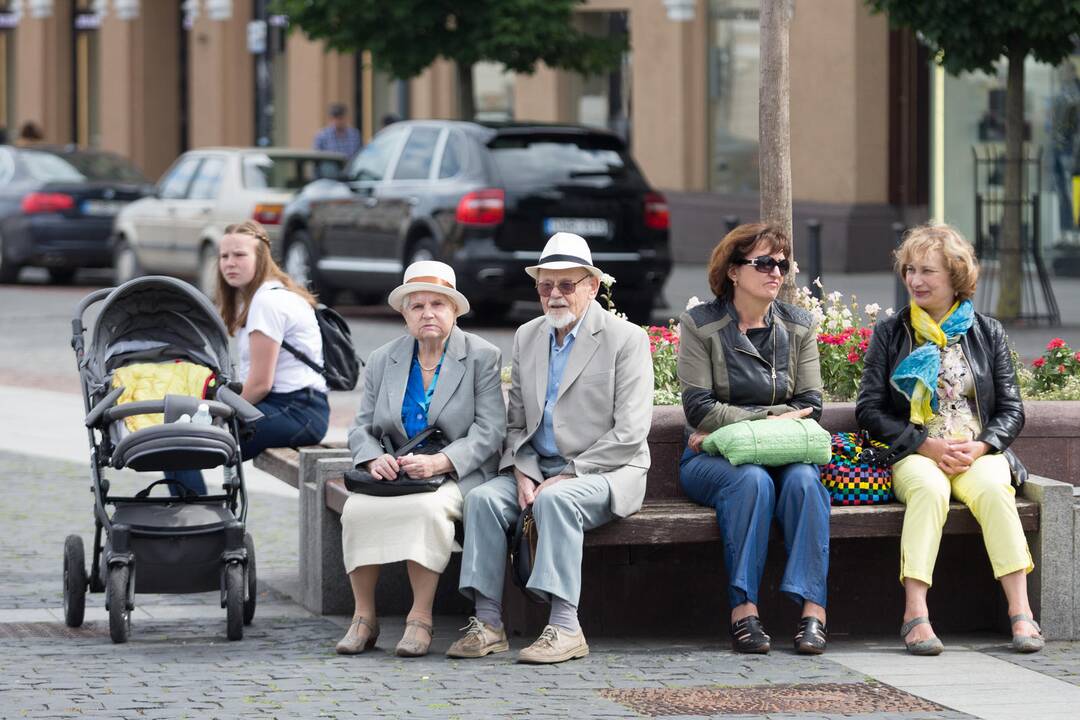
x=101, y=207
x=585, y=227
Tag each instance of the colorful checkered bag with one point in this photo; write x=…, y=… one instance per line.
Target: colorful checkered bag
x=851, y=480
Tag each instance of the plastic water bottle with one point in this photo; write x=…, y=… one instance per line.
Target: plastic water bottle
x=202, y=415
x=185, y=418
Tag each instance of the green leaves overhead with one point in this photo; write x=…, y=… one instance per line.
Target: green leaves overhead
x=406, y=36
x=975, y=34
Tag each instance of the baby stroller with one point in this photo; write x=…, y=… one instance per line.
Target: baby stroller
x=156, y=543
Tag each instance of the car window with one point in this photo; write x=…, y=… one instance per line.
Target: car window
x=452, y=156
x=104, y=166
x=370, y=164
x=208, y=180
x=561, y=159
x=287, y=172
x=175, y=184
x=416, y=157
x=46, y=167
x=7, y=166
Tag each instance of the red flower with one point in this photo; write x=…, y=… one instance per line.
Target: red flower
x=864, y=344
x=1061, y=369
x=1077, y=356
x=853, y=357
x=1055, y=344
x=1039, y=362
x=865, y=332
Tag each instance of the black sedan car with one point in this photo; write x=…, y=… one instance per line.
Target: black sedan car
x=483, y=198
x=57, y=206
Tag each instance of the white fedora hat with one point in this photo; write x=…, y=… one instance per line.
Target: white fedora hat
x=564, y=250
x=429, y=276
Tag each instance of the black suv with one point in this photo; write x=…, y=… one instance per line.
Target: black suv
x=483, y=198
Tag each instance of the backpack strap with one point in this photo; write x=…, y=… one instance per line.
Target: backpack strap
x=299, y=354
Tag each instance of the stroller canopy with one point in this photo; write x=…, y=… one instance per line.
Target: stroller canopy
x=154, y=319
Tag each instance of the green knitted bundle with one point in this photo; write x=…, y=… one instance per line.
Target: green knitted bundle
x=771, y=442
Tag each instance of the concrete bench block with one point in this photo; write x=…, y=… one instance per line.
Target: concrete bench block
x=1052, y=585
x=322, y=568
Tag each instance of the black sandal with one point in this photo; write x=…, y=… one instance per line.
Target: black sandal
x=748, y=636
x=811, y=636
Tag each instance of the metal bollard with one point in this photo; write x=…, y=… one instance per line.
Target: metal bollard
x=731, y=222
x=813, y=256
x=900, y=294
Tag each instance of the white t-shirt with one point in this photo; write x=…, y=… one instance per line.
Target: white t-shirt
x=283, y=315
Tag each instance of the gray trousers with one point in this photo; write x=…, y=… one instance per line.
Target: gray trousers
x=563, y=513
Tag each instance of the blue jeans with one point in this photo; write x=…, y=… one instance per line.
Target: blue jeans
x=746, y=498
x=289, y=419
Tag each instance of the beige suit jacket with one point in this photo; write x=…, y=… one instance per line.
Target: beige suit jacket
x=467, y=405
x=603, y=410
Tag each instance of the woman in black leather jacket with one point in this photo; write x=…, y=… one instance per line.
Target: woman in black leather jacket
x=748, y=356
x=940, y=389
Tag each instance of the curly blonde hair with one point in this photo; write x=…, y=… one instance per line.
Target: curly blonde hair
x=959, y=254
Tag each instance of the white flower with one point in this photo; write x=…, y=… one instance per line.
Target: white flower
x=817, y=281
x=693, y=302
x=835, y=296
x=795, y=267
x=607, y=280
x=872, y=309
x=889, y=312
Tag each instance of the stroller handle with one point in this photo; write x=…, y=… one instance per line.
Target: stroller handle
x=145, y=407
x=77, y=328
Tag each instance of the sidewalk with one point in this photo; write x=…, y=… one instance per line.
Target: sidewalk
x=179, y=664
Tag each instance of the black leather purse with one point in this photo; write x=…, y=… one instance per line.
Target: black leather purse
x=427, y=442
x=523, y=549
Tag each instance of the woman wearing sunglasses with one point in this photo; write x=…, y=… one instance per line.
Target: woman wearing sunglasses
x=748, y=356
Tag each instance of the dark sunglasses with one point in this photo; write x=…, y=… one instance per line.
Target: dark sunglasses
x=566, y=287
x=765, y=264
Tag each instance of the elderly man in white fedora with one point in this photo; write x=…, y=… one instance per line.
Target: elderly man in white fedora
x=435, y=375
x=579, y=411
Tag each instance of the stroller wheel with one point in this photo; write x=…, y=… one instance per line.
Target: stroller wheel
x=234, y=601
x=116, y=599
x=252, y=585
x=74, y=581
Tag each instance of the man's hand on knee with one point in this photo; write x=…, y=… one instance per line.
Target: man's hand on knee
x=526, y=489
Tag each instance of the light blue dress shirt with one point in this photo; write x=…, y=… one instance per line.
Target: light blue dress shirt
x=543, y=441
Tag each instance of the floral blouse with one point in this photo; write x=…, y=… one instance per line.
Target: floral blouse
x=954, y=419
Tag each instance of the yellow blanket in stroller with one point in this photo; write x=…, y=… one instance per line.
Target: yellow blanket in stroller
x=153, y=381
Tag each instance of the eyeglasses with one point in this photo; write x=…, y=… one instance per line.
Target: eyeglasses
x=765, y=264
x=566, y=287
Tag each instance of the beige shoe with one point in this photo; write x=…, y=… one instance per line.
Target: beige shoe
x=413, y=644
x=555, y=645
x=361, y=636
x=479, y=640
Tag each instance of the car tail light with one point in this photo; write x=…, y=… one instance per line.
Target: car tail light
x=482, y=207
x=268, y=214
x=657, y=216
x=46, y=202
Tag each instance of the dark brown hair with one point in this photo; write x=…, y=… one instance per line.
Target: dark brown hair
x=233, y=303
x=735, y=245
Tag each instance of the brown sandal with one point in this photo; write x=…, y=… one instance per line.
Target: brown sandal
x=361, y=636
x=410, y=646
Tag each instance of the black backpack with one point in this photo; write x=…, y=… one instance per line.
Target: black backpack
x=341, y=366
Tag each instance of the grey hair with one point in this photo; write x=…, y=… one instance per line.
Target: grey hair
x=408, y=297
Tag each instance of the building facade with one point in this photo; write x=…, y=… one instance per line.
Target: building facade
x=152, y=79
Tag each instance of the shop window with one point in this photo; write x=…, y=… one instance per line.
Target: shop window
x=604, y=100
x=493, y=88
x=733, y=72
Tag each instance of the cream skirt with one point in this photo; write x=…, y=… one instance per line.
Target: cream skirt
x=418, y=527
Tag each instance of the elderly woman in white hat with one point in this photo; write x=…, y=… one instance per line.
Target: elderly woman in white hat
x=436, y=375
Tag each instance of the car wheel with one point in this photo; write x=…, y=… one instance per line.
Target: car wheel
x=490, y=311
x=298, y=262
x=422, y=249
x=61, y=276
x=208, y=271
x=9, y=271
x=125, y=263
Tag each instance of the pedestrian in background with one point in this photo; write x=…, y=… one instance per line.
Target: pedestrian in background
x=940, y=389
x=338, y=136
x=30, y=133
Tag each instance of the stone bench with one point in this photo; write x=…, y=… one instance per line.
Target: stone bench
x=671, y=547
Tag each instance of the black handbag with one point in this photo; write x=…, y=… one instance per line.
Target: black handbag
x=432, y=441
x=523, y=548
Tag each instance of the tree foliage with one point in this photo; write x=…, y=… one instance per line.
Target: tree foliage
x=975, y=34
x=406, y=36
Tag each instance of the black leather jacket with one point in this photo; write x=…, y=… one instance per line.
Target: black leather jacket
x=884, y=412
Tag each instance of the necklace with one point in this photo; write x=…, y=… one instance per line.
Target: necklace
x=426, y=369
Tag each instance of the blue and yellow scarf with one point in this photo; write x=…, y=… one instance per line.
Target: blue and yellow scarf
x=917, y=375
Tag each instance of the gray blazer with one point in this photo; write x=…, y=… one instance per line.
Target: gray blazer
x=603, y=411
x=467, y=405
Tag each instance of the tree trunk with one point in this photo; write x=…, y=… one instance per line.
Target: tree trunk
x=774, y=123
x=466, y=96
x=1010, y=258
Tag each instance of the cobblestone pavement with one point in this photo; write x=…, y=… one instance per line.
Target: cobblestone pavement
x=179, y=664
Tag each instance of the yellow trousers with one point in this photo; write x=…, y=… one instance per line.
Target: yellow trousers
x=986, y=489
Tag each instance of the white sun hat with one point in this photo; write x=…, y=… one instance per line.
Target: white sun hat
x=564, y=250
x=429, y=276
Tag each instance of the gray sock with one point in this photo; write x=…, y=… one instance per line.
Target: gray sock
x=488, y=611
x=564, y=615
